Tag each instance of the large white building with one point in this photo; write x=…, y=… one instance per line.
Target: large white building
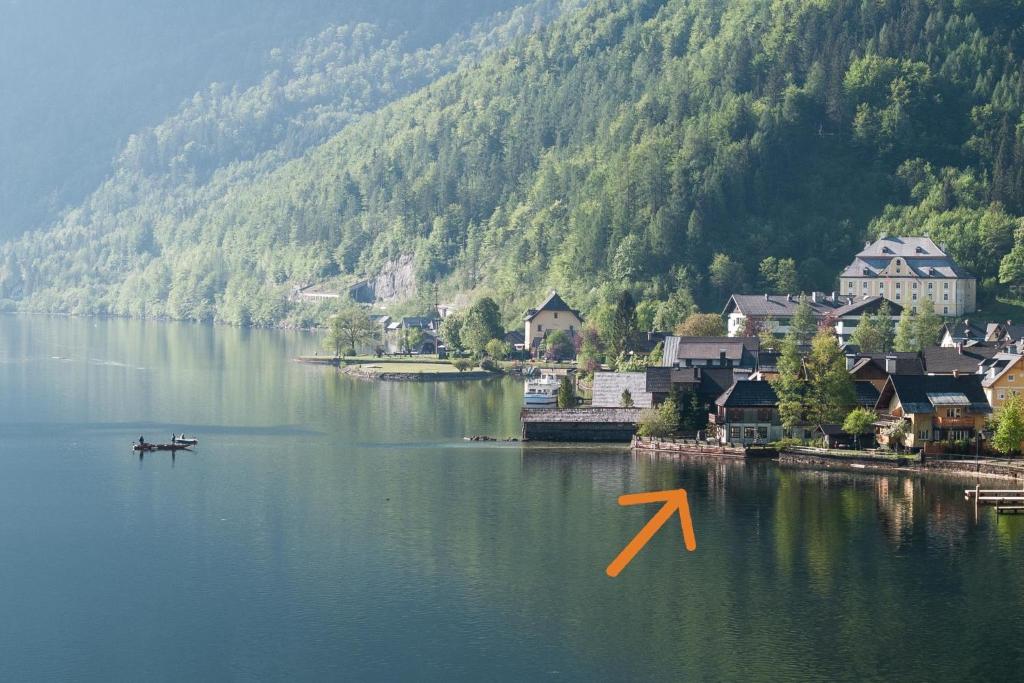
x=909, y=271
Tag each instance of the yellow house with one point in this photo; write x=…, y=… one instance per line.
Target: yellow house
x=554, y=314
x=936, y=407
x=1004, y=377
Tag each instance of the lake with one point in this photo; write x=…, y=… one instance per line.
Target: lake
x=329, y=528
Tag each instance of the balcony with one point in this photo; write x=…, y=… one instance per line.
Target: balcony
x=953, y=422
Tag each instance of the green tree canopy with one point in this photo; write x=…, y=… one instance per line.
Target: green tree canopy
x=702, y=325
x=349, y=329
x=481, y=324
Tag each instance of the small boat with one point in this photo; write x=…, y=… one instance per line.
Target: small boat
x=541, y=392
x=146, y=447
x=186, y=440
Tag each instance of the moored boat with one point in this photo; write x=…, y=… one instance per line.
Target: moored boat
x=542, y=391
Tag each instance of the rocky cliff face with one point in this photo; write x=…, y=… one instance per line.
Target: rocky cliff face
x=396, y=280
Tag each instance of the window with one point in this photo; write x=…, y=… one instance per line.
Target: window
x=749, y=432
x=865, y=284
x=931, y=285
x=1009, y=378
x=1002, y=395
x=556, y=315
x=764, y=414
x=762, y=433
x=915, y=296
x=945, y=310
x=945, y=297
x=952, y=412
x=897, y=285
x=540, y=328
x=734, y=433
x=915, y=285
x=945, y=285
x=923, y=434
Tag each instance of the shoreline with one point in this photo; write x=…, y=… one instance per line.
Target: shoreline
x=361, y=373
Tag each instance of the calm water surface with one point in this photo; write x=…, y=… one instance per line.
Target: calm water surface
x=331, y=529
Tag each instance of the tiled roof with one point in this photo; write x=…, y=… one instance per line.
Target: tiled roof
x=944, y=360
x=608, y=388
x=921, y=255
x=660, y=379
x=867, y=394
x=916, y=392
x=869, y=304
x=781, y=305
x=708, y=348
x=907, y=362
x=748, y=394
x=998, y=366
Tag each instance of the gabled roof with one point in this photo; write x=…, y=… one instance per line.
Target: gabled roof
x=906, y=362
x=923, y=258
x=708, y=348
x=745, y=394
x=660, y=379
x=922, y=393
x=944, y=360
x=782, y=305
x=867, y=394
x=869, y=304
x=967, y=330
x=552, y=303
x=998, y=366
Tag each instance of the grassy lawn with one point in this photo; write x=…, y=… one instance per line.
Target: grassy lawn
x=411, y=367
x=997, y=311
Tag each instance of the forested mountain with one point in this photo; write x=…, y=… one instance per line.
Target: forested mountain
x=668, y=147
x=77, y=78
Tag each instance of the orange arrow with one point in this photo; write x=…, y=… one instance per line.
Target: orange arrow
x=674, y=500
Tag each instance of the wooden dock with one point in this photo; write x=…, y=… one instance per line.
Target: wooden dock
x=1006, y=501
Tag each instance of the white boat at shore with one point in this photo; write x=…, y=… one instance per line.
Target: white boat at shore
x=542, y=391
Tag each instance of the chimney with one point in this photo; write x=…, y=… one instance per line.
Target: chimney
x=960, y=348
x=890, y=364
x=867, y=244
x=956, y=373
x=766, y=296
x=789, y=297
x=814, y=297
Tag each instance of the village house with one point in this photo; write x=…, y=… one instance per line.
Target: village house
x=747, y=413
x=1004, y=333
x=1003, y=377
x=745, y=313
x=554, y=314
x=965, y=332
x=412, y=334
x=875, y=368
x=937, y=408
x=710, y=352
x=961, y=359
x=908, y=271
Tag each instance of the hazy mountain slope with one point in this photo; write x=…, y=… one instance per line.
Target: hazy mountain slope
x=668, y=147
x=77, y=77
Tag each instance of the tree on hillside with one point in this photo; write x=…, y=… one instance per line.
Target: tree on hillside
x=874, y=333
x=481, y=324
x=726, y=275
x=1009, y=431
x=348, y=329
x=804, y=324
x=701, y=325
x=778, y=275
x=789, y=385
x=928, y=325
x=906, y=332
x=621, y=324
x=830, y=391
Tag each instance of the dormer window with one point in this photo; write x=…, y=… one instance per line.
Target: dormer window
x=886, y=250
x=919, y=250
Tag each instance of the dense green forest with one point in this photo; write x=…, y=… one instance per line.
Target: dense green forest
x=78, y=77
x=665, y=147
